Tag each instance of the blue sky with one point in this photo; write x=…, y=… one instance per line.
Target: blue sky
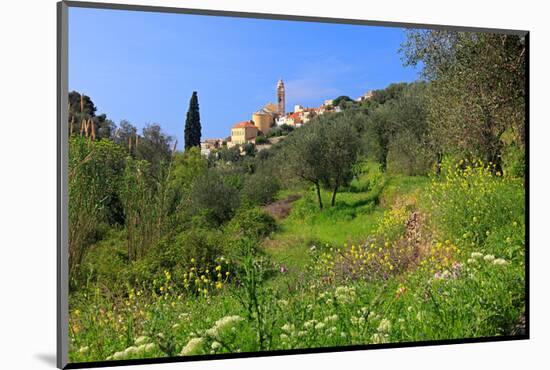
x=143, y=66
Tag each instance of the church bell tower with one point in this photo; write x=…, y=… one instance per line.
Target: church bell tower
x=281, y=97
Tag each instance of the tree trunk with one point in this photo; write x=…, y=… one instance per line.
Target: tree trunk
x=334, y=196
x=319, y=195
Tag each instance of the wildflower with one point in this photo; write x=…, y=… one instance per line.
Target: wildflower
x=216, y=345
x=223, y=324
x=141, y=340
x=149, y=347
x=131, y=351
x=379, y=338
x=471, y=260
x=192, y=346
x=344, y=294
x=500, y=261
x=385, y=326
x=282, y=269
x=83, y=349
x=489, y=258
x=343, y=335
x=288, y=328
x=301, y=333
x=320, y=326
x=476, y=255
x=284, y=337
x=175, y=326
x=219, y=285
x=282, y=302
x=119, y=355
x=332, y=318
x=400, y=291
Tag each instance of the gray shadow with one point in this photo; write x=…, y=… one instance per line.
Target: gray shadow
x=47, y=358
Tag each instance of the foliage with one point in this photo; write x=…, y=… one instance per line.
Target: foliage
x=212, y=197
x=470, y=203
x=94, y=174
x=193, y=123
x=154, y=146
x=261, y=139
x=260, y=187
x=477, y=89
x=396, y=130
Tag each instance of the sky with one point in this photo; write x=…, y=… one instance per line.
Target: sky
x=144, y=66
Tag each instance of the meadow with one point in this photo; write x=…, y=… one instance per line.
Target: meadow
x=456, y=272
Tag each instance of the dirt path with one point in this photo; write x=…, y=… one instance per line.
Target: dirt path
x=281, y=208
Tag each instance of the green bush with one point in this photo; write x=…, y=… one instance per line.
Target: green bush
x=260, y=188
x=250, y=223
x=213, y=198
x=261, y=139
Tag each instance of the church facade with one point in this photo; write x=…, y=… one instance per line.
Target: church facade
x=262, y=120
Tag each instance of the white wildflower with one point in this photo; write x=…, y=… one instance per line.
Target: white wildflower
x=119, y=355
x=282, y=302
x=385, y=326
x=500, y=261
x=344, y=294
x=84, y=349
x=288, y=328
x=320, y=326
x=476, y=255
x=141, y=340
x=379, y=338
x=223, y=324
x=132, y=350
x=192, y=346
x=216, y=345
x=149, y=347
x=489, y=258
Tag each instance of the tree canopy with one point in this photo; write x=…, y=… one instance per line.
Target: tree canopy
x=193, y=123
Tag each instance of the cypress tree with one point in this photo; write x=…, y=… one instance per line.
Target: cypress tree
x=193, y=123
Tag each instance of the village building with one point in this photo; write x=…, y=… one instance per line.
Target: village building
x=209, y=144
x=365, y=96
x=242, y=133
x=264, y=118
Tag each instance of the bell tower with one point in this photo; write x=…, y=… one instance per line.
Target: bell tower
x=281, y=97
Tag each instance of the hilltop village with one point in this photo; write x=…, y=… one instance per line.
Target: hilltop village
x=270, y=116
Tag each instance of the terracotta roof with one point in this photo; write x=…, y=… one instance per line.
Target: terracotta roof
x=243, y=124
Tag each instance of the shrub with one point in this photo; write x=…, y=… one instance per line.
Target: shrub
x=213, y=198
x=250, y=223
x=261, y=139
x=260, y=188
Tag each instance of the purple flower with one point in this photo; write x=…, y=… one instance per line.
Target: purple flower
x=282, y=269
